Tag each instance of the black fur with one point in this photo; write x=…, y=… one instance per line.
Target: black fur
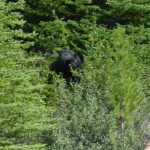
x=68, y=59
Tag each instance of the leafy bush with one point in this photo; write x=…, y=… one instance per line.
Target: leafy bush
x=89, y=120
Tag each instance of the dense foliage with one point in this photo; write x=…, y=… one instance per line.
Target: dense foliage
x=24, y=117
x=108, y=109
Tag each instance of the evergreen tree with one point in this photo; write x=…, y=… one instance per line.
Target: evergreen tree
x=24, y=117
x=124, y=88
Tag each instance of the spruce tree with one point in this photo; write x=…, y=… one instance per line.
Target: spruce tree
x=24, y=116
x=124, y=88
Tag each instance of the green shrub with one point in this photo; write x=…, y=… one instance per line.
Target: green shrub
x=88, y=119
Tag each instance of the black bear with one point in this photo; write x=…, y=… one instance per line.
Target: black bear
x=68, y=60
